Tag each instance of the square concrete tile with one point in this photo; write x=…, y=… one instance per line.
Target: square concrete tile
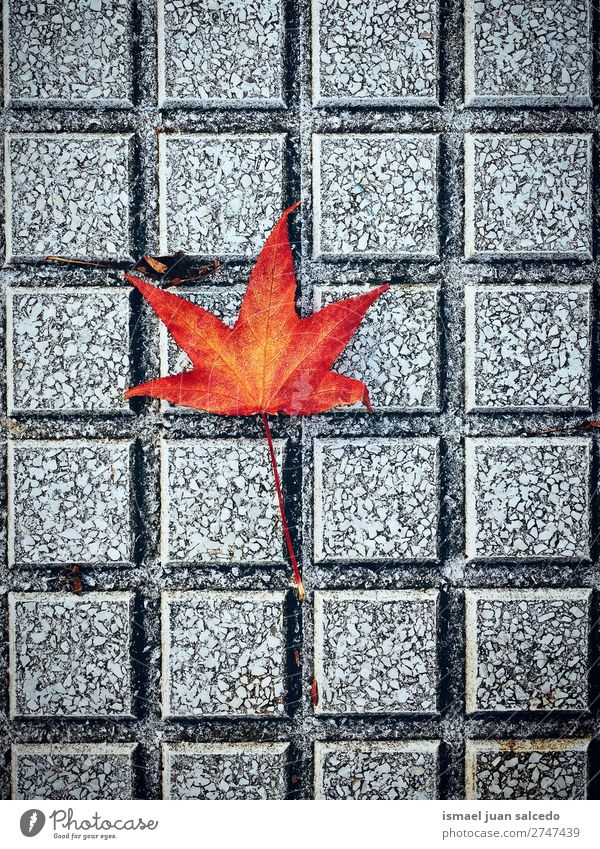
x=527, y=347
x=223, y=654
x=526, y=769
x=225, y=770
x=376, y=499
x=67, y=194
x=376, y=651
x=395, y=349
x=219, y=194
x=376, y=769
x=72, y=771
x=527, y=650
x=222, y=53
x=72, y=52
x=70, y=655
x=69, y=502
x=374, y=54
x=528, y=498
x=219, y=503
x=528, y=196
x=528, y=53
x=375, y=195
x=68, y=350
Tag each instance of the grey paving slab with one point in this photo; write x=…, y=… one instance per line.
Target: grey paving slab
x=223, y=654
x=222, y=771
x=221, y=53
x=70, y=655
x=72, y=771
x=375, y=195
x=69, y=502
x=219, y=503
x=376, y=499
x=381, y=769
x=527, y=769
x=528, y=53
x=68, y=53
x=375, y=651
x=373, y=54
x=67, y=351
x=527, y=649
x=527, y=347
x=67, y=195
x=528, y=196
x=528, y=498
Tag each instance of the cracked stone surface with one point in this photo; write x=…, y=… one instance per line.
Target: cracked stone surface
x=68, y=351
x=69, y=502
x=374, y=53
x=72, y=771
x=376, y=770
x=527, y=347
x=70, y=655
x=528, y=195
x=69, y=51
x=376, y=499
x=223, y=654
x=526, y=769
x=223, y=52
x=375, y=195
x=528, y=53
x=225, y=771
x=527, y=498
x=220, y=503
x=69, y=195
x=527, y=649
x=215, y=190
x=395, y=349
x=375, y=651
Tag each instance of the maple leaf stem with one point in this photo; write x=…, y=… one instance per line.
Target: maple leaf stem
x=286, y=529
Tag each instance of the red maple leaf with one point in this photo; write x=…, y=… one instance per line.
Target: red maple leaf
x=271, y=360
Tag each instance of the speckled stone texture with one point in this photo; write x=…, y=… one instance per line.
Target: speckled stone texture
x=527, y=649
x=215, y=190
x=68, y=51
x=376, y=499
x=375, y=651
x=395, y=123
x=223, y=52
x=527, y=347
x=225, y=771
x=528, y=498
x=374, y=53
x=69, y=655
x=375, y=195
x=528, y=196
x=529, y=53
x=395, y=349
x=219, y=503
x=69, y=502
x=224, y=654
x=67, y=194
x=526, y=769
x=67, y=351
x=76, y=771
x=376, y=770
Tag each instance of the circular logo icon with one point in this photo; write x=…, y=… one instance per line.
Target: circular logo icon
x=32, y=822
